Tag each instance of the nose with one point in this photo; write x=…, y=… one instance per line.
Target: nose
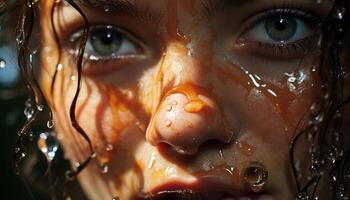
x=187, y=114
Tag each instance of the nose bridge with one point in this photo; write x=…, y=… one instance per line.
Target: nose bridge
x=179, y=66
x=187, y=114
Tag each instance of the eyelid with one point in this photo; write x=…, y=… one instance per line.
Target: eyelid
x=300, y=13
x=281, y=50
x=141, y=48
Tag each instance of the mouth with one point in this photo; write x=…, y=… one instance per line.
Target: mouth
x=209, y=195
x=212, y=189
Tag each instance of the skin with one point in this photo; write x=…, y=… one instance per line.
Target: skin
x=195, y=106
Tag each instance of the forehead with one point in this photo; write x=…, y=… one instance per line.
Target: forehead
x=203, y=5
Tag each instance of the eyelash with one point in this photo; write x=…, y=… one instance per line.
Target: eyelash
x=289, y=49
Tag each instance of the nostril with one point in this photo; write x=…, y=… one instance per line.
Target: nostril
x=173, y=155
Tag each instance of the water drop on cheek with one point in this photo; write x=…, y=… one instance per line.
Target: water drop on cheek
x=256, y=176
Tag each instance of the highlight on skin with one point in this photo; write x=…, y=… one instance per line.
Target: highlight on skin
x=165, y=100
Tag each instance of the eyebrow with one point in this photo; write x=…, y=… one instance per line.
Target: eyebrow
x=139, y=11
x=144, y=12
x=211, y=7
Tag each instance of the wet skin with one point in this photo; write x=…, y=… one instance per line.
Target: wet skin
x=192, y=98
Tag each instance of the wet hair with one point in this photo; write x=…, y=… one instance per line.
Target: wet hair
x=327, y=140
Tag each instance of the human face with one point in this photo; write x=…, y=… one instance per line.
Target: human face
x=179, y=95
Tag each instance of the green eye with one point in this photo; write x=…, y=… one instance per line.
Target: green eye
x=281, y=28
x=105, y=41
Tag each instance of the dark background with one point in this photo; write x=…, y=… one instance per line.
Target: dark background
x=35, y=180
x=12, y=97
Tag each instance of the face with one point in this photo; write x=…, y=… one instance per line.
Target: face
x=184, y=95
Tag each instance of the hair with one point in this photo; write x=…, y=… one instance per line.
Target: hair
x=329, y=154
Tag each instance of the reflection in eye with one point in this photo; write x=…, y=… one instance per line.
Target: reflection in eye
x=280, y=28
x=107, y=42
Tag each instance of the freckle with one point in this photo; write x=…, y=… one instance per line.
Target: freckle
x=246, y=148
x=194, y=106
x=169, y=107
x=168, y=123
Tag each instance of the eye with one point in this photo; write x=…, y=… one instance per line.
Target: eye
x=106, y=42
x=283, y=28
x=285, y=32
x=279, y=28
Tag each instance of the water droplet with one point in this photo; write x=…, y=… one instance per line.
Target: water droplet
x=168, y=123
x=59, y=67
x=109, y=147
x=73, y=78
x=50, y=124
x=340, y=193
x=292, y=79
x=106, y=8
x=48, y=145
x=29, y=112
x=169, y=107
x=317, y=119
x=40, y=107
x=115, y=198
x=77, y=165
x=339, y=13
x=93, y=154
x=303, y=196
x=151, y=161
x=256, y=176
x=2, y=63
x=17, y=150
x=317, y=166
x=241, y=42
x=31, y=136
x=333, y=154
x=174, y=103
x=104, y=168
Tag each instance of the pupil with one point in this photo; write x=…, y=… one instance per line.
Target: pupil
x=280, y=24
x=107, y=39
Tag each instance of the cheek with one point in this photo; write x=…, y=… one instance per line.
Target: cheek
x=102, y=111
x=273, y=110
